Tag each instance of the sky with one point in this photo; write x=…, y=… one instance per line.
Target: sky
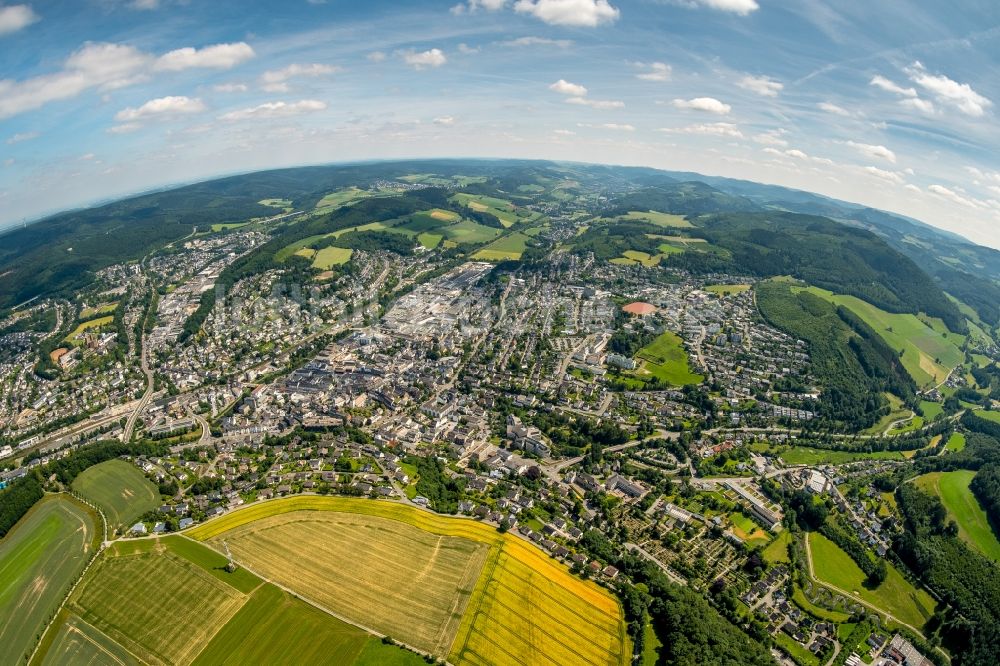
x=891, y=103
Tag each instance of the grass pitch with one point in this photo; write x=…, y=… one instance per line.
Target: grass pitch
x=666, y=358
x=39, y=560
x=160, y=607
x=120, y=489
x=895, y=595
x=963, y=507
x=524, y=607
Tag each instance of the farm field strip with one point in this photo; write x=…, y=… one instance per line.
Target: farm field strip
x=39, y=561
x=79, y=643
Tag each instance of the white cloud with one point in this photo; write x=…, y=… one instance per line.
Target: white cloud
x=951, y=195
x=376, y=56
x=475, y=5
x=161, y=107
x=876, y=152
x=564, y=132
x=948, y=91
x=706, y=104
x=16, y=17
x=465, y=49
x=564, y=87
x=125, y=128
x=537, y=41
x=885, y=84
x=764, y=86
x=830, y=107
x=922, y=105
x=710, y=129
x=275, y=110
x=656, y=71
x=230, y=87
x=771, y=138
x=446, y=121
x=102, y=66
x=888, y=176
x=618, y=127
x=217, y=56
x=276, y=80
x=596, y=103
x=429, y=58
x=579, y=13
x=21, y=136
x=144, y=5
x=741, y=7
x=797, y=154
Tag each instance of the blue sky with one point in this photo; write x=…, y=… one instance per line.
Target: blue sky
x=889, y=103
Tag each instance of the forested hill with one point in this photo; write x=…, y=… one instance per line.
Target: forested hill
x=825, y=253
x=688, y=198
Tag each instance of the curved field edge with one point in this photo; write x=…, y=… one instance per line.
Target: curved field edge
x=40, y=559
x=503, y=546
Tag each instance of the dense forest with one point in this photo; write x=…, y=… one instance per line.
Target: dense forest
x=833, y=256
x=966, y=581
x=681, y=199
x=849, y=360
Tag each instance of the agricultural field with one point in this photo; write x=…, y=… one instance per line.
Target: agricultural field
x=467, y=231
x=895, y=595
x=329, y=257
x=79, y=643
x=274, y=627
x=727, y=289
x=341, y=198
x=510, y=246
x=224, y=226
x=666, y=359
x=659, y=219
x=929, y=351
x=963, y=507
x=40, y=558
x=429, y=240
x=989, y=415
x=284, y=204
x=502, y=209
x=931, y=410
x=120, y=489
x=420, y=582
x=520, y=603
x=633, y=257
x=160, y=607
x=76, y=337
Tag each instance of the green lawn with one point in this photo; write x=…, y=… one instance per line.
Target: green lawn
x=799, y=654
x=39, y=560
x=956, y=442
x=929, y=350
x=777, y=551
x=329, y=257
x=650, y=646
x=666, y=358
x=895, y=595
x=467, y=231
x=804, y=455
x=931, y=410
x=989, y=415
x=429, y=240
x=120, y=489
x=963, y=507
